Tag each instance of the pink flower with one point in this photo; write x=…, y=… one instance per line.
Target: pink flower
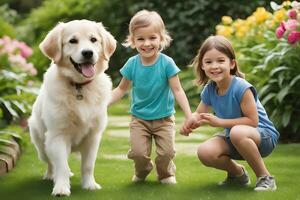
x=282, y=25
x=279, y=32
x=6, y=39
x=290, y=29
x=292, y=14
x=25, y=50
x=291, y=25
x=293, y=37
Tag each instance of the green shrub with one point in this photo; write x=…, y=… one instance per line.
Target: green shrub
x=6, y=29
x=281, y=90
x=7, y=18
x=22, y=6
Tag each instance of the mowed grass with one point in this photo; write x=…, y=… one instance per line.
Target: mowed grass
x=113, y=171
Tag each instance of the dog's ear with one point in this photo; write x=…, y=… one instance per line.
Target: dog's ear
x=51, y=46
x=108, y=41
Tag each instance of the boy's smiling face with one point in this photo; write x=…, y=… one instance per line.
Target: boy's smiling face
x=147, y=41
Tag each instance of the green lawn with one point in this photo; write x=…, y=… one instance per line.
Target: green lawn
x=113, y=171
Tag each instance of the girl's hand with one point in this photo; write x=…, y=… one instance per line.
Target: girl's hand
x=208, y=118
x=189, y=124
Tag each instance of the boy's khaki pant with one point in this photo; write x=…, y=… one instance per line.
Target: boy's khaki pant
x=141, y=134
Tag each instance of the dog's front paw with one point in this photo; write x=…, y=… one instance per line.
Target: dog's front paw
x=61, y=190
x=92, y=185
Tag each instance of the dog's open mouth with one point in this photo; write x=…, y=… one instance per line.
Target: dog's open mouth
x=87, y=69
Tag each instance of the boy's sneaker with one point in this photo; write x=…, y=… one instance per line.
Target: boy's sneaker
x=136, y=179
x=236, y=180
x=265, y=183
x=170, y=180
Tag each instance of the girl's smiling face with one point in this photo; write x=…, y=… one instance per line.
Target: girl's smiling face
x=217, y=65
x=147, y=41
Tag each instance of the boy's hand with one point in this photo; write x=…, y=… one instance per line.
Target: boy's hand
x=188, y=125
x=185, y=130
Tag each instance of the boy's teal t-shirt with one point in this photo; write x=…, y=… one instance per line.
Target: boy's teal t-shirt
x=152, y=97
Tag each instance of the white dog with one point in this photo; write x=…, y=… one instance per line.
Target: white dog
x=70, y=112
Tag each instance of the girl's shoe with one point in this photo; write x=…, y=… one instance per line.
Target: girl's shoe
x=236, y=180
x=265, y=183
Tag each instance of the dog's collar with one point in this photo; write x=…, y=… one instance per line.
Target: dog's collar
x=78, y=87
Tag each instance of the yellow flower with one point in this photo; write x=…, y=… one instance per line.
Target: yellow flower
x=240, y=34
x=251, y=20
x=279, y=15
x=261, y=14
x=226, y=31
x=226, y=20
x=242, y=31
x=238, y=23
x=286, y=3
x=271, y=23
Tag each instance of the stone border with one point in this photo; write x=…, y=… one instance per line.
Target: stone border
x=9, y=155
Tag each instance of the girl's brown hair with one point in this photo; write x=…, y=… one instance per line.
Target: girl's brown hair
x=221, y=44
x=145, y=18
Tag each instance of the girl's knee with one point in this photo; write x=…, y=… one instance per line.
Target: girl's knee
x=240, y=133
x=205, y=155
x=236, y=133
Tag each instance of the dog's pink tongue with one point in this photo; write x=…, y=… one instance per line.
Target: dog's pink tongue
x=88, y=70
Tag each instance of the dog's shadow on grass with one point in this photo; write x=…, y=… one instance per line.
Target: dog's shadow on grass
x=29, y=188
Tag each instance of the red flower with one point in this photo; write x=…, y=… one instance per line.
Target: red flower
x=292, y=14
x=293, y=37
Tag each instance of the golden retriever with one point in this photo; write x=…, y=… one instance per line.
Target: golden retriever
x=70, y=112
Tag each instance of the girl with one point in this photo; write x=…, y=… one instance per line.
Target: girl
x=249, y=134
x=154, y=80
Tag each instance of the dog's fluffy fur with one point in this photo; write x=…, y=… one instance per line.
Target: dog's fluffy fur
x=61, y=122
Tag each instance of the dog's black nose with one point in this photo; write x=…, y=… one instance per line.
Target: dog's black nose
x=87, y=54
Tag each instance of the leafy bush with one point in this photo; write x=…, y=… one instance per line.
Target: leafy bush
x=22, y=6
x=16, y=93
x=7, y=17
x=6, y=28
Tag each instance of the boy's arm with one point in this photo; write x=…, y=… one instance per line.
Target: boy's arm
x=119, y=91
x=180, y=96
